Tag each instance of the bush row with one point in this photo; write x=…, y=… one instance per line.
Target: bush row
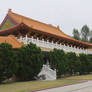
x=70, y=63
x=24, y=63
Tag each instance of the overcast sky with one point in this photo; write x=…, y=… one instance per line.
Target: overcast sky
x=68, y=14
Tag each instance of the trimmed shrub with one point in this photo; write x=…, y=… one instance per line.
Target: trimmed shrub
x=58, y=61
x=29, y=61
x=85, y=63
x=72, y=62
x=6, y=61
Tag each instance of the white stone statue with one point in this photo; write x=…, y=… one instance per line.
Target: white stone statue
x=47, y=73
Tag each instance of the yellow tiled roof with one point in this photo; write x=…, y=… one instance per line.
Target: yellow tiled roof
x=37, y=25
x=11, y=40
x=40, y=27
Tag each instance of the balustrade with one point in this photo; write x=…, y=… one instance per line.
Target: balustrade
x=52, y=45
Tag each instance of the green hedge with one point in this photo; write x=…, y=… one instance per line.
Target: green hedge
x=6, y=61
x=24, y=63
x=27, y=62
x=70, y=63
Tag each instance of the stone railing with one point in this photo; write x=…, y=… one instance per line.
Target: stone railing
x=52, y=45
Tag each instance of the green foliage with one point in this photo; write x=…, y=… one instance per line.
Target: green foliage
x=58, y=61
x=90, y=40
x=85, y=33
x=70, y=63
x=6, y=61
x=29, y=62
x=76, y=34
x=89, y=62
x=72, y=60
x=84, y=63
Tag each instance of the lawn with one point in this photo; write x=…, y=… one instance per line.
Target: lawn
x=82, y=77
x=33, y=85
x=36, y=85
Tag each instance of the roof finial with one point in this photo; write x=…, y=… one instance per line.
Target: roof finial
x=10, y=10
x=58, y=27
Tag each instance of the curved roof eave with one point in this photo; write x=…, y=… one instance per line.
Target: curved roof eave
x=10, y=30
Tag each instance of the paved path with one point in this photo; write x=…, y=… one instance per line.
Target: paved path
x=82, y=87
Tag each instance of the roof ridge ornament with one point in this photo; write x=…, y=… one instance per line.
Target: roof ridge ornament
x=58, y=27
x=10, y=10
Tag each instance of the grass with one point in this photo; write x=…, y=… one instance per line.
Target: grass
x=33, y=85
x=37, y=85
x=81, y=77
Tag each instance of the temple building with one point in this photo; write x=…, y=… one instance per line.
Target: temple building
x=47, y=37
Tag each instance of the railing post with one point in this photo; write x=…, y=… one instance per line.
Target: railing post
x=32, y=39
x=26, y=39
x=37, y=41
x=20, y=38
x=43, y=42
x=52, y=45
x=47, y=44
x=56, y=45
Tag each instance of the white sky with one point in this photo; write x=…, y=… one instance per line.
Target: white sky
x=68, y=14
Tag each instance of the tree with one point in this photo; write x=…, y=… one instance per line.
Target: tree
x=85, y=33
x=6, y=61
x=90, y=40
x=29, y=62
x=72, y=62
x=77, y=66
x=58, y=61
x=89, y=58
x=76, y=34
x=84, y=63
